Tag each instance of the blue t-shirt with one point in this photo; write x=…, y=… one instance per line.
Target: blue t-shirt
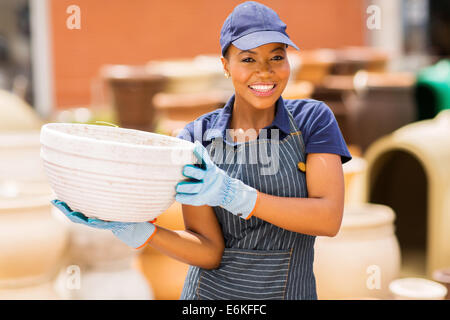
x=316, y=121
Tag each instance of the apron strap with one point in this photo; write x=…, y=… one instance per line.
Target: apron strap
x=296, y=133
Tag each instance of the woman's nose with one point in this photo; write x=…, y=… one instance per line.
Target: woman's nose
x=264, y=68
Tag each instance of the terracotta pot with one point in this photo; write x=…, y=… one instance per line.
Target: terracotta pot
x=362, y=259
x=315, y=65
x=32, y=242
x=132, y=90
x=113, y=173
x=349, y=60
x=364, y=101
x=417, y=289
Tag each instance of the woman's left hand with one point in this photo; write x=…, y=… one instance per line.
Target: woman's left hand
x=213, y=187
x=134, y=234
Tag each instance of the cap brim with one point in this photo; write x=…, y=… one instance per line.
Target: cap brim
x=260, y=38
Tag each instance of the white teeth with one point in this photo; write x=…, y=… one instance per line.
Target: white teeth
x=263, y=87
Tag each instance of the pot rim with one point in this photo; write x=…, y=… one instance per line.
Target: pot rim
x=424, y=288
x=52, y=128
x=366, y=215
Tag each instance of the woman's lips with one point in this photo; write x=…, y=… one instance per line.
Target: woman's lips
x=263, y=90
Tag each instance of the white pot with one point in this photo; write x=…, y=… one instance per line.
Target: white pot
x=19, y=156
x=44, y=291
x=95, y=248
x=32, y=242
x=102, y=284
x=362, y=259
x=417, y=289
x=113, y=173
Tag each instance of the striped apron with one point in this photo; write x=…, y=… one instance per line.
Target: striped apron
x=260, y=260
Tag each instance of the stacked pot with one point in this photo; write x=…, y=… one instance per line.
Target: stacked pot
x=99, y=266
x=32, y=242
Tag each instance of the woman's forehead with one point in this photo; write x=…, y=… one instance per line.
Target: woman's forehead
x=266, y=48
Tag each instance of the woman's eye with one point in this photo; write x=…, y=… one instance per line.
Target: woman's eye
x=247, y=60
x=278, y=58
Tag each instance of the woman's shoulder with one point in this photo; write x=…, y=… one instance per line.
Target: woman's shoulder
x=308, y=111
x=319, y=127
x=304, y=106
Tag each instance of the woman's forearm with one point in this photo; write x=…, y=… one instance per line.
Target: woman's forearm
x=188, y=247
x=313, y=216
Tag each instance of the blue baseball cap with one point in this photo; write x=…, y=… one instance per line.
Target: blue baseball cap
x=252, y=24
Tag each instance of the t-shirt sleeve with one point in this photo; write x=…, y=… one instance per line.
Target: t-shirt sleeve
x=187, y=133
x=324, y=135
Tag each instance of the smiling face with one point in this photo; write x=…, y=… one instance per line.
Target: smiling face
x=259, y=75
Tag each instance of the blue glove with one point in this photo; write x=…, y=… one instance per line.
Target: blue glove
x=213, y=187
x=134, y=234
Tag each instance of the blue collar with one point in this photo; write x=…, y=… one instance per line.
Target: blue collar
x=222, y=122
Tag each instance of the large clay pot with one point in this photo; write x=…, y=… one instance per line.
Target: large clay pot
x=132, y=90
x=408, y=170
x=368, y=105
x=19, y=157
x=113, y=173
x=362, y=259
x=383, y=103
x=32, y=242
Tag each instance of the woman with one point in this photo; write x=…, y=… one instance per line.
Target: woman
x=253, y=208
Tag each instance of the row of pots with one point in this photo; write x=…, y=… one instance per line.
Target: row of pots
x=38, y=244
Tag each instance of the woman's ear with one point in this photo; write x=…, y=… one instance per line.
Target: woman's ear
x=225, y=66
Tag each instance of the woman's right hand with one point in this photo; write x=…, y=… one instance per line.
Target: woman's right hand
x=134, y=234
